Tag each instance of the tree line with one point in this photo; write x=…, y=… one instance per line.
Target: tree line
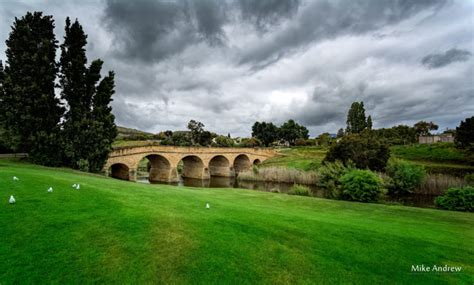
x=57, y=111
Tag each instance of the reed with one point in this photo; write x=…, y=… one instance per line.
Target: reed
x=280, y=174
x=437, y=184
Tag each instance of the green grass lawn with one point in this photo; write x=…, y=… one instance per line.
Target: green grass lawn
x=113, y=231
x=303, y=158
x=438, y=152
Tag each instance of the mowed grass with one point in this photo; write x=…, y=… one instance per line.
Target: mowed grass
x=437, y=152
x=302, y=158
x=113, y=231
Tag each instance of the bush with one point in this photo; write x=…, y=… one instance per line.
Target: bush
x=83, y=165
x=457, y=199
x=365, y=150
x=299, y=190
x=251, y=142
x=360, y=185
x=404, y=176
x=329, y=175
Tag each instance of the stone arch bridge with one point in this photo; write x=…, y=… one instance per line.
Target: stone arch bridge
x=198, y=162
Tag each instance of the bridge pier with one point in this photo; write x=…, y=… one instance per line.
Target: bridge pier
x=132, y=175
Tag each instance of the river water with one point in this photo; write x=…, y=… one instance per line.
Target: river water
x=416, y=200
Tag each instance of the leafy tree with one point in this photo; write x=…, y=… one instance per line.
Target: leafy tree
x=205, y=138
x=196, y=128
x=87, y=132
x=30, y=112
x=340, y=133
x=356, y=120
x=324, y=139
x=398, y=135
x=290, y=131
x=224, y=141
x=267, y=133
x=423, y=128
x=464, y=137
x=250, y=142
x=364, y=150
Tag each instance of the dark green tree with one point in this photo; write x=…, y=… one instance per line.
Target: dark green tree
x=423, y=128
x=30, y=112
x=103, y=127
x=267, y=133
x=356, y=120
x=369, y=122
x=363, y=149
x=464, y=137
x=196, y=128
x=290, y=131
x=86, y=131
x=340, y=133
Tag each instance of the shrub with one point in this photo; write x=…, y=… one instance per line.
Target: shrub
x=250, y=142
x=360, y=185
x=299, y=190
x=83, y=165
x=329, y=175
x=404, y=176
x=364, y=149
x=457, y=199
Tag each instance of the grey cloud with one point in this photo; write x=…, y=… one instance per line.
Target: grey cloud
x=154, y=30
x=442, y=59
x=265, y=13
x=321, y=20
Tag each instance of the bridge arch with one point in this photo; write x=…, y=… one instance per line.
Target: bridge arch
x=257, y=162
x=159, y=168
x=194, y=167
x=219, y=165
x=119, y=171
x=241, y=163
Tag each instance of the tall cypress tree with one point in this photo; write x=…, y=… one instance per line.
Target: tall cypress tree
x=356, y=120
x=73, y=83
x=88, y=118
x=103, y=127
x=30, y=111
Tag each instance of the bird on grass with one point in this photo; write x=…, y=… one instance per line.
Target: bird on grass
x=12, y=200
x=74, y=185
x=50, y=189
x=208, y=206
x=16, y=178
x=78, y=186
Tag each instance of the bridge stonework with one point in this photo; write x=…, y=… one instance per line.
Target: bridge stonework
x=199, y=162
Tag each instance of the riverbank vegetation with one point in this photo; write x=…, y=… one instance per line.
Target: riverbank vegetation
x=113, y=231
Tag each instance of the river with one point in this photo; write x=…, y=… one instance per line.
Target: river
x=415, y=200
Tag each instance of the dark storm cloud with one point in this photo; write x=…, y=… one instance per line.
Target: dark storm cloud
x=265, y=13
x=321, y=20
x=154, y=30
x=442, y=59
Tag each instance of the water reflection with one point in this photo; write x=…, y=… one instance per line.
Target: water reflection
x=425, y=201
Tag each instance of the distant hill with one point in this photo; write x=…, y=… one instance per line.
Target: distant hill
x=126, y=132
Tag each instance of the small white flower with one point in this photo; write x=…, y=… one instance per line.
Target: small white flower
x=16, y=178
x=12, y=200
x=208, y=206
x=50, y=189
x=78, y=186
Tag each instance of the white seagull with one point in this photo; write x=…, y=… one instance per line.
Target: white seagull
x=50, y=189
x=12, y=200
x=207, y=206
x=16, y=178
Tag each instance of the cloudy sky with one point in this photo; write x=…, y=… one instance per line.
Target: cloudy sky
x=231, y=63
